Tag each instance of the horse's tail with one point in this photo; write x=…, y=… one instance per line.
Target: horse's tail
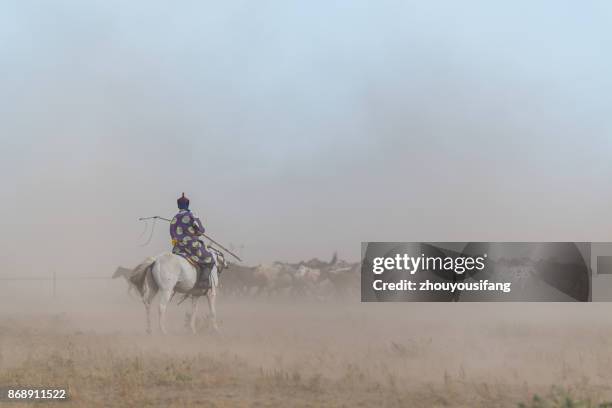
x=334, y=259
x=138, y=276
x=121, y=271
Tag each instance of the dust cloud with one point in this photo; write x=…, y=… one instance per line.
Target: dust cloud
x=302, y=352
x=297, y=130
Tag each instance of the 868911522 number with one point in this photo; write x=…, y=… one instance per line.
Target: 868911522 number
x=39, y=393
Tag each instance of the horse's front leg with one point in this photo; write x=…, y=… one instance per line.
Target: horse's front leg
x=211, y=297
x=194, y=313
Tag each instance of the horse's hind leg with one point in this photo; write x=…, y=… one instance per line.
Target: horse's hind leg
x=165, y=278
x=147, y=303
x=164, y=298
x=147, y=298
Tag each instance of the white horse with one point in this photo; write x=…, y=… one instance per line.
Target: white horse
x=167, y=274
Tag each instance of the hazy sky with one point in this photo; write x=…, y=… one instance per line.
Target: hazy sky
x=300, y=128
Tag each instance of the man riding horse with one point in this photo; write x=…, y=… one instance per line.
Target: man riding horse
x=186, y=230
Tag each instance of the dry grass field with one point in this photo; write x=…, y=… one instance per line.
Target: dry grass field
x=309, y=354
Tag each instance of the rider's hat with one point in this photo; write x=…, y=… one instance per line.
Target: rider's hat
x=183, y=202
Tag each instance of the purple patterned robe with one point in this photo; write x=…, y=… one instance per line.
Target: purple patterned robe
x=185, y=230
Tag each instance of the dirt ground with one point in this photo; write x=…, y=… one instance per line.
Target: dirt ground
x=285, y=352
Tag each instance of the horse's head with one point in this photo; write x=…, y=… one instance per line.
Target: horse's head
x=221, y=263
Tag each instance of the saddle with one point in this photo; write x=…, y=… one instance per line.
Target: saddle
x=203, y=276
x=203, y=281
